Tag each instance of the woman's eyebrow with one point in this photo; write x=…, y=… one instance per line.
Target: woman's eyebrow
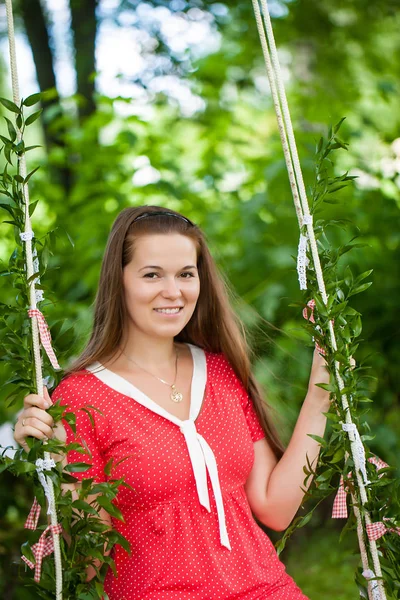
x=161, y=269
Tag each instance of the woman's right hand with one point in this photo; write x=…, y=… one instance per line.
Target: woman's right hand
x=34, y=421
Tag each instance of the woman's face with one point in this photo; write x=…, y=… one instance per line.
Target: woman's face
x=161, y=284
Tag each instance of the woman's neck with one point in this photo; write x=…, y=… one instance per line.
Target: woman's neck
x=149, y=352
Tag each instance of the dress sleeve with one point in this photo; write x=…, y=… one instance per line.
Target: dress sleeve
x=255, y=429
x=88, y=431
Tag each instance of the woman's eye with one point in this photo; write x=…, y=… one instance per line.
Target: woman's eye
x=187, y=274
x=150, y=275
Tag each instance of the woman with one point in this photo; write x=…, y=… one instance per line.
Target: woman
x=168, y=368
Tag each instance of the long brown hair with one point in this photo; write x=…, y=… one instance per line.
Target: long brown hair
x=213, y=325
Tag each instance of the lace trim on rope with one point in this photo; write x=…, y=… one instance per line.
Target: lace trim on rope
x=302, y=261
x=354, y=436
x=39, y=295
x=26, y=236
x=369, y=574
x=46, y=464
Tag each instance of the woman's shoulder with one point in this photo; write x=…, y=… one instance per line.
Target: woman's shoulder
x=218, y=362
x=74, y=387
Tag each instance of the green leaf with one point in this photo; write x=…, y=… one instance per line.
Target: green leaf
x=109, y=507
x=27, y=178
x=11, y=130
x=32, y=207
x=90, y=416
x=77, y=467
x=338, y=456
x=22, y=466
x=33, y=117
x=317, y=438
x=360, y=288
x=27, y=551
x=32, y=148
x=10, y=105
x=85, y=507
x=338, y=125
x=32, y=99
x=364, y=275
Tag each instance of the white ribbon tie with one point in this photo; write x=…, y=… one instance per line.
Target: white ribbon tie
x=203, y=460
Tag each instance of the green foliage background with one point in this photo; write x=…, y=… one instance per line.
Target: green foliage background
x=223, y=167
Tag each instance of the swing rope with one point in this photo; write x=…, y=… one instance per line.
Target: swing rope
x=376, y=589
x=35, y=315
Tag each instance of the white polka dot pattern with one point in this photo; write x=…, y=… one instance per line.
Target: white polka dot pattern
x=175, y=542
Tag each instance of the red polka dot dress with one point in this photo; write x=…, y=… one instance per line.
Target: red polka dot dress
x=187, y=517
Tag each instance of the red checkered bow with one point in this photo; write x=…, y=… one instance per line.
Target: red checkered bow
x=310, y=317
x=339, y=509
x=378, y=529
x=45, y=336
x=33, y=517
x=43, y=548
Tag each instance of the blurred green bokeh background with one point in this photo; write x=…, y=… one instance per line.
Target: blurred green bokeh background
x=167, y=102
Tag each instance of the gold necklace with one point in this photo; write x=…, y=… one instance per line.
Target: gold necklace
x=175, y=395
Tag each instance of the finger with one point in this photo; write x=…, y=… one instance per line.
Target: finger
x=37, y=413
x=31, y=426
x=46, y=396
x=36, y=400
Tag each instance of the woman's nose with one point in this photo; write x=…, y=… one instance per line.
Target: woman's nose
x=171, y=288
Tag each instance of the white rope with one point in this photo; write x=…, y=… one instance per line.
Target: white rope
x=27, y=238
x=305, y=219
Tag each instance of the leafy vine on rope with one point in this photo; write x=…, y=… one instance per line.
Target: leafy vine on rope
x=85, y=537
x=335, y=458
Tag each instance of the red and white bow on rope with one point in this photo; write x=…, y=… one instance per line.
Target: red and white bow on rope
x=378, y=529
x=339, y=510
x=43, y=548
x=45, y=545
x=33, y=517
x=45, y=336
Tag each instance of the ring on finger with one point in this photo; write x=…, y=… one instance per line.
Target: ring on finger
x=23, y=422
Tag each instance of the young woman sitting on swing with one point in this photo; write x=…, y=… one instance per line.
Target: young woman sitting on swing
x=168, y=367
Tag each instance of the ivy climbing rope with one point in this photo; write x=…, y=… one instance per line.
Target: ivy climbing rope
x=376, y=590
x=39, y=329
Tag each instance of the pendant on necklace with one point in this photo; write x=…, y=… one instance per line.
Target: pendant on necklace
x=175, y=395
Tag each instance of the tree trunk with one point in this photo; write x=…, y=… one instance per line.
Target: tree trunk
x=36, y=30
x=84, y=25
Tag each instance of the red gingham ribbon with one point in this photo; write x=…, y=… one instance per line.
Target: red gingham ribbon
x=33, y=517
x=339, y=509
x=378, y=529
x=45, y=336
x=43, y=548
x=310, y=317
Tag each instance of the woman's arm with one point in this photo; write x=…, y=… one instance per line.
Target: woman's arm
x=275, y=488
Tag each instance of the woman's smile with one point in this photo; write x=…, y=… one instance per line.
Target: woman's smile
x=170, y=312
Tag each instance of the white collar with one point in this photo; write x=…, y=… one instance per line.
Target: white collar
x=201, y=456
